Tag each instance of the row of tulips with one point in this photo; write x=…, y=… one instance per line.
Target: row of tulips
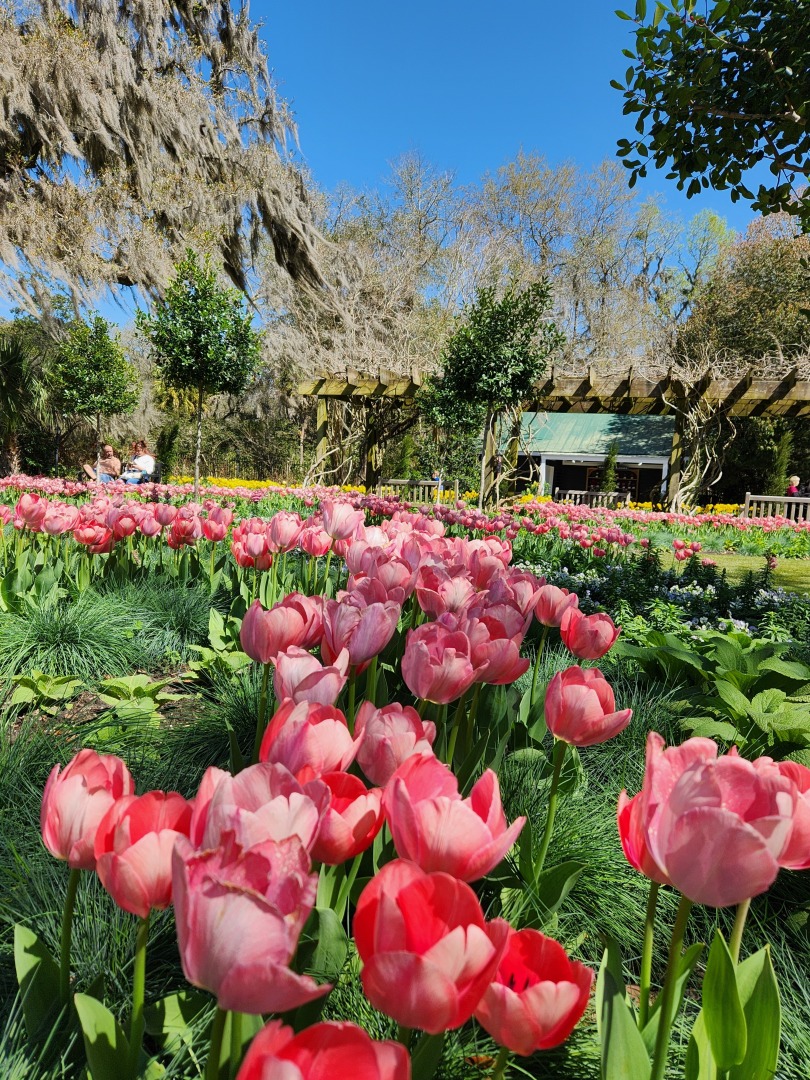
x=448, y=616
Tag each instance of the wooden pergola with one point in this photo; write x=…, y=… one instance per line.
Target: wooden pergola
x=628, y=393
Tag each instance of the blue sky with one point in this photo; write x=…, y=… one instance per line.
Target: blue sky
x=466, y=83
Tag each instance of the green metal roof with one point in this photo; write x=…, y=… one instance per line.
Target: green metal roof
x=569, y=434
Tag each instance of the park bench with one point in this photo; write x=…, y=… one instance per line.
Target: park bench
x=792, y=507
x=576, y=497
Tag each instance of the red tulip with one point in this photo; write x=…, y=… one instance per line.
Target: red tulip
x=436, y=665
x=581, y=709
x=428, y=954
x=438, y=830
x=133, y=849
x=309, y=740
x=363, y=630
x=551, y=604
x=301, y=676
x=537, y=996
x=587, y=636
x=325, y=1051
x=239, y=914
x=262, y=802
x=715, y=828
x=74, y=802
x=390, y=735
x=352, y=820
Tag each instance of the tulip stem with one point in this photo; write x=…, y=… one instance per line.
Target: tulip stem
x=138, y=988
x=213, y=562
x=646, y=957
x=326, y=571
x=350, y=709
x=538, y=657
x=469, y=731
x=735, y=941
x=500, y=1064
x=558, y=757
x=215, y=1053
x=371, y=681
x=236, y=1044
x=457, y=721
x=260, y=720
x=404, y=1035
x=67, y=930
x=659, y=1062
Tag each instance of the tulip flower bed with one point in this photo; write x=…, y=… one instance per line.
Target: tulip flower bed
x=378, y=826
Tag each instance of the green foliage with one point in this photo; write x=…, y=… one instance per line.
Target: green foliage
x=494, y=358
x=200, y=334
x=609, y=468
x=718, y=89
x=776, y=478
x=90, y=374
x=49, y=693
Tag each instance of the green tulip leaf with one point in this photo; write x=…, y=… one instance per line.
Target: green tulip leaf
x=426, y=1056
x=105, y=1044
x=759, y=994
x=551, y=888
x=685, y=968
x=722, y=1009
x=172, y=1019
x=624, y=1054
x=38, y=978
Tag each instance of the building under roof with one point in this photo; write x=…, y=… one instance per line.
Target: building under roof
x=568, y=451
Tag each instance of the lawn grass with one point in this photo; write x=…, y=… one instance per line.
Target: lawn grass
x=791, y=574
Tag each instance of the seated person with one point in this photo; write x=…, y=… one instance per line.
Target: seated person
x=109, y=466
x=141, y=466
x=793, y=486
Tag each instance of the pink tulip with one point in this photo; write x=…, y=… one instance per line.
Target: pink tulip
x=74, y=802
x=265, y=634
x=314, y=541
x=363, y=630
x=796, y=855
x=438, y=593
x=262, y=802
x=60, y=519
x=30, y=511
x=309, y=740
x=390, y=735
x=301, y=676
x=581, y=709
x=436, y=665
x=339, y=519
x=438, y=830
x=537, y=996
x=284, y=529
x=214, y=530
x=494, y=653
x=239, y=913
x=352, y=820
x=428, y=955
x=133, y=849
x=587, y=636
x=165, y=513
x=715, y=828
x=551, y=604
x=325, y=1051
x=149, y=525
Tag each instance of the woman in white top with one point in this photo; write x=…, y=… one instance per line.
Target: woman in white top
x=142, y=465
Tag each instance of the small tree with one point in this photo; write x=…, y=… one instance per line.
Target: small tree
x=201, y=338
x=609, y=470
x=492, y=362
x=91, y=377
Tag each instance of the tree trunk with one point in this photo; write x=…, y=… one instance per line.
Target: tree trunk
x=98, y=447
x=485, y=464
x=198, y=450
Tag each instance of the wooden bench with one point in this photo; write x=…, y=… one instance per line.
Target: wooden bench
x=575, y=497
x=792, y=507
